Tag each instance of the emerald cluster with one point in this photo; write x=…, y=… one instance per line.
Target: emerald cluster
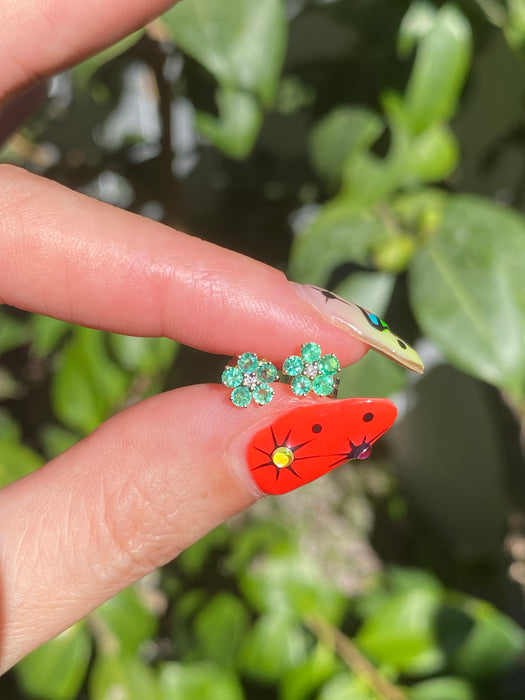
x=312, y=371
x=250, y=380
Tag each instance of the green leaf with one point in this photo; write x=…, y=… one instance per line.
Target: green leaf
x=84, y=72
x=300, y=682
x=194, y=559
x=263, y=536
x=9, y=387
x=514, y=27
x=202, y=681
x=16, y=460
x=87, y=387
x=416, y=24
x=339, y=235
x=373, y=376
x=372, y=290
x=367, y=178
x=123, y=677
x=442, y=689
x=47, y=332
x=236, y=129
x=274, y=646
x=292, y=584
x=240, y=42
x=339, y=134
x=57, y=669
x=433, y=156
x=467, y=291
x=56, y=439
x=13, y=332
x=347, y=686
x=125, y=621
x=145, y=355
x=220, y=628
x=400, y=634
x=442, y=62
x=494, y=643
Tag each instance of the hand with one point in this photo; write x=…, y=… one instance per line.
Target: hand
x=155, y=478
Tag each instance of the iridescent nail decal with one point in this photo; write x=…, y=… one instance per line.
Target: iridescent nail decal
x=309, y=441
x=362, y=324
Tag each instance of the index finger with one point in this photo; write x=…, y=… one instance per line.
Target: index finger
x=71, y=257
x=71, y=30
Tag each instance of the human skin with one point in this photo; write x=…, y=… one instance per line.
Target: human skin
x=156, y=477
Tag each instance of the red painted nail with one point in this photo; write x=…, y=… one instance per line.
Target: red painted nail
x=309, y=441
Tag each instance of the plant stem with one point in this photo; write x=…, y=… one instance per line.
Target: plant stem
x=354, y=659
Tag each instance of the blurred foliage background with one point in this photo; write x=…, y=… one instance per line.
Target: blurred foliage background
x=375, y=148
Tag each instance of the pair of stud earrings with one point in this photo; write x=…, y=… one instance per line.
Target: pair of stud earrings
x=250, y=378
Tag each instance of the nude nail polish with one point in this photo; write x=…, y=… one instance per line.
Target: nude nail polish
x=309, y=441
x=361, y=324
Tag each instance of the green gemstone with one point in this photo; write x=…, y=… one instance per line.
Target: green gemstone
x=293, y=366
x=247, y=362
x=266, y=372
x=232, y=377
x=310, y=352
x=300, y=385
x=323, y=385
x=263, y=394
x=329, y=364
x=241, y=396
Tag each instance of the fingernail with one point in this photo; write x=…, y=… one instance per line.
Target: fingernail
x=309, y=441
x=361, y=324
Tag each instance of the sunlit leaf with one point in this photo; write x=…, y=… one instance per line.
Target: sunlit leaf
x=123, y=677
x=56, y=670
x=46, y=333
x=340, y=133
x=237, y=126
x=13, y=332
x=57, y=439
x=127, y=620
x=241, y=42
x=318, y=667
x=442, y=61
x=434, y=155
x=337, y=236
x=146, y=355
x=16, y=460
x=346, y=686
x=272, y=647
x=442, y=689
x=494, y=642
x=416, y=24
x=220, y=628
x=292, y=584
x=400, y=633
x=87, y=386
x=467, y=291
x=201, y=681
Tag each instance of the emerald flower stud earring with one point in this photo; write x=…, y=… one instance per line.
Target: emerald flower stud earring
x=250, y=379
x=312, y=371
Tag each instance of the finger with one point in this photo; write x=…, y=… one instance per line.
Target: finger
x=71, y=257
x=148, y=483
x=45, y=36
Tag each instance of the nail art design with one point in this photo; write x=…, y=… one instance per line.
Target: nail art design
x=362, y=324
x=309, y=441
